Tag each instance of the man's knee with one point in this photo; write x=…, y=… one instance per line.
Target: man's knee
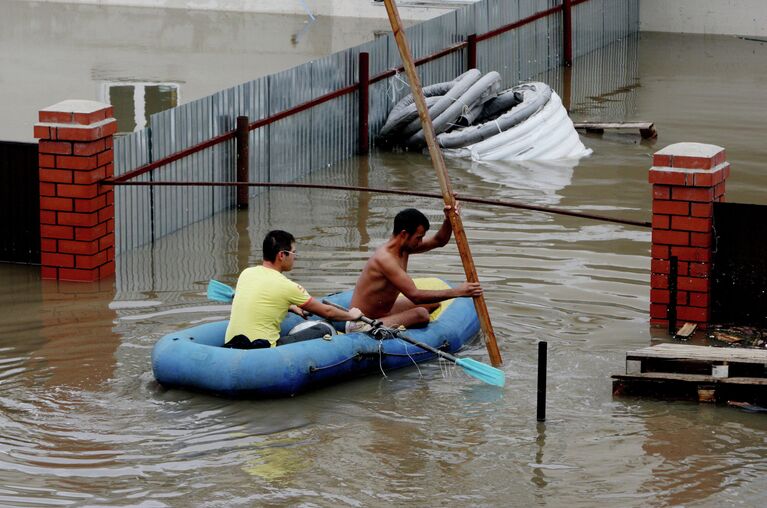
x=421, y=315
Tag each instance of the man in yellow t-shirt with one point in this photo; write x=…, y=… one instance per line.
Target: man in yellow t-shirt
x=264, y=296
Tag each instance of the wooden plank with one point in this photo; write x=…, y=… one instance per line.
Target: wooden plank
x=686, y=330
x=691, y=378
x=666, y=376
x=699, y=353
x=612, y=125
x=646, y=129
x=744, y=381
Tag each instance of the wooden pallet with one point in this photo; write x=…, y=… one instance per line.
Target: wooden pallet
x=646, y=129
x=695, y=372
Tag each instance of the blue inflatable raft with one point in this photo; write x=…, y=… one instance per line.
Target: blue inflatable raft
x=195, y=359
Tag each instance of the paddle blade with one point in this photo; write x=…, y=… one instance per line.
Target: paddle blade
x=220, y=292
x=481, y=371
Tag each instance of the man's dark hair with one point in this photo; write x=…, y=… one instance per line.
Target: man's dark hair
x=408, y=220
x=276, y=241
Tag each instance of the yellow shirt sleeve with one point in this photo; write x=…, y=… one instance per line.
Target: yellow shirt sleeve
x=298, y=295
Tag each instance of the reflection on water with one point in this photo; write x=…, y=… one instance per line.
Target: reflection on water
x=277, y=460
x=530, y=182
x=84, y=423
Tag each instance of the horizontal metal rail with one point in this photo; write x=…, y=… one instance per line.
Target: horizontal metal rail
x=521, y=22
x=420, y=61
x=332, y=95
x=173, y=157
x=466, y=199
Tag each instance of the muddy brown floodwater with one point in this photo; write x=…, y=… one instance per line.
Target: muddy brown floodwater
x=84, y=424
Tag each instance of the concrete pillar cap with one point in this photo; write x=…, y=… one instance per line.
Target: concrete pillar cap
x=74, y=114
x=691, y=150
x=76, y=106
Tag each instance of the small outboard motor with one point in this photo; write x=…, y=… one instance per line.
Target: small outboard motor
x=307, y=330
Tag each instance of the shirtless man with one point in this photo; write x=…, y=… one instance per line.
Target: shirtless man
x=386, y=292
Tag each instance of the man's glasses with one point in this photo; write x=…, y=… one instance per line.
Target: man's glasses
x=290, y=252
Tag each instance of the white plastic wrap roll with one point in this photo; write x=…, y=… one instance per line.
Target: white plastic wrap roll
x=547, y=135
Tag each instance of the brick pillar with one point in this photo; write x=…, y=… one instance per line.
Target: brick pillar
x=76, y=213
x=686, y=178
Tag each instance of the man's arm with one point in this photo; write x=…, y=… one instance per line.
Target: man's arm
x=405, y=285
x=442, y=236
x=330, y=312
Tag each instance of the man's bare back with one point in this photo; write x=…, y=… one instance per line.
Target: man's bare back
x=385, y=291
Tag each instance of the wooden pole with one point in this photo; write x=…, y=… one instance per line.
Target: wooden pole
x=444, y=181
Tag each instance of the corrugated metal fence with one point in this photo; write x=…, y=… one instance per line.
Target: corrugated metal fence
x=317, y=137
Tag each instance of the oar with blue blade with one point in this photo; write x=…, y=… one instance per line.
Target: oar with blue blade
x=220, y=292
x=473, y=368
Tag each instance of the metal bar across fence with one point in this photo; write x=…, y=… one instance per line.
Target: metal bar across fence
x=521, y=22
x=467, y=199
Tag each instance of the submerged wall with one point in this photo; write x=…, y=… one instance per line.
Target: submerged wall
x=738, y=17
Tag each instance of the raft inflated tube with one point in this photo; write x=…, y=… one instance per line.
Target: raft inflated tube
x=534, y=97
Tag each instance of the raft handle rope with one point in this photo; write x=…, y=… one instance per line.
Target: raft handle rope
x=380, y=333
x=312, y=368
x=380, y=359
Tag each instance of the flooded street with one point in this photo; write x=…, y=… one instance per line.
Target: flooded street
x=85, y=424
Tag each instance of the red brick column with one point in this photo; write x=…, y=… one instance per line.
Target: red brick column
x=76, y=213
x=686, y=178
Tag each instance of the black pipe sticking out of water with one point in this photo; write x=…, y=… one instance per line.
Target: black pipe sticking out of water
x=542, y=347
x=673, y=270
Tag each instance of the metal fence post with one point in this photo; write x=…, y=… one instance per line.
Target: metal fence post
x=567, y=32
x=471, y=49
x=242, y=160
x=364, y=102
